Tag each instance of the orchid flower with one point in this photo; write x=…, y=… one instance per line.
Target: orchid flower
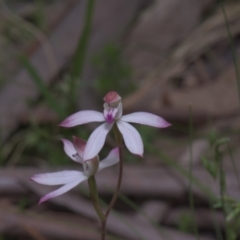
x=113, y=114
x=71, y=178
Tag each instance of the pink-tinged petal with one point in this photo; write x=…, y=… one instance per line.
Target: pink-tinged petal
x=62, y=190
x=82, y=117
x=131, y=138
x=58, y=178
x=71, y=151
x=146, y=119
x=96, y=141
x=79, y=145
x=110, y=160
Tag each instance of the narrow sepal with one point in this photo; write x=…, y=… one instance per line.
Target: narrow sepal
x=82, y=117
x=146, y=119
x=96, y=141
x=110, y=160
x=61, y=190
x=58, y=178
x=131, y=138
x=79, y=145
x=70, y=150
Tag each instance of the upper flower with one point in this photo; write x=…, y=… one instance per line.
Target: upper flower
x=70, y=178
x=113, y=114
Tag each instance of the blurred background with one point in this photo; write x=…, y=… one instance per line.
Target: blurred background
x=177, y=59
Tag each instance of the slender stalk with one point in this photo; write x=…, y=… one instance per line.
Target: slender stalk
x=103, y=224
x=238, y=85
x=37, y=79
x=81, y=52
x=234, y=165
x=119, y=140
x=222, y=185
x=93, y=188
x=222, y=189
x=191, y=201
x=232, y=46
x=217, y=228
x=94, y=198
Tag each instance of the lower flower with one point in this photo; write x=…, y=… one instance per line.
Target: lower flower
x=71, y=178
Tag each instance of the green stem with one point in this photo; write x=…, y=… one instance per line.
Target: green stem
x=103, y=225
x=191, y=200
x=234, y=165
x=119, y=140
x=221, y=183
x=94, y=198
x=93, y=188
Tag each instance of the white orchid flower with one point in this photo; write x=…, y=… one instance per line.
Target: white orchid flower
x=71, y=178
x=113, y=114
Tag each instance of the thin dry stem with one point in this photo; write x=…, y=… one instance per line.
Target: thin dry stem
x=119, y=141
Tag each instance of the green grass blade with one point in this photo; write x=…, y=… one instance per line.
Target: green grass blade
x=232, y=46
x=191, y=200
x=43, y=89
x=80, y=54
x=234, y=165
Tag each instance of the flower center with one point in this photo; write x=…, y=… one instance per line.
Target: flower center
x=112, y=107
x=110, y=115
x=110, y=112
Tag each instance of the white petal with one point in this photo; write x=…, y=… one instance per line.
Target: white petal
x=58, y=178
x=146, y=119
x=71, y=151
x=61, y=190
x=96, y=141
x=131, y=137
x=111, y=159
x=82, y=117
